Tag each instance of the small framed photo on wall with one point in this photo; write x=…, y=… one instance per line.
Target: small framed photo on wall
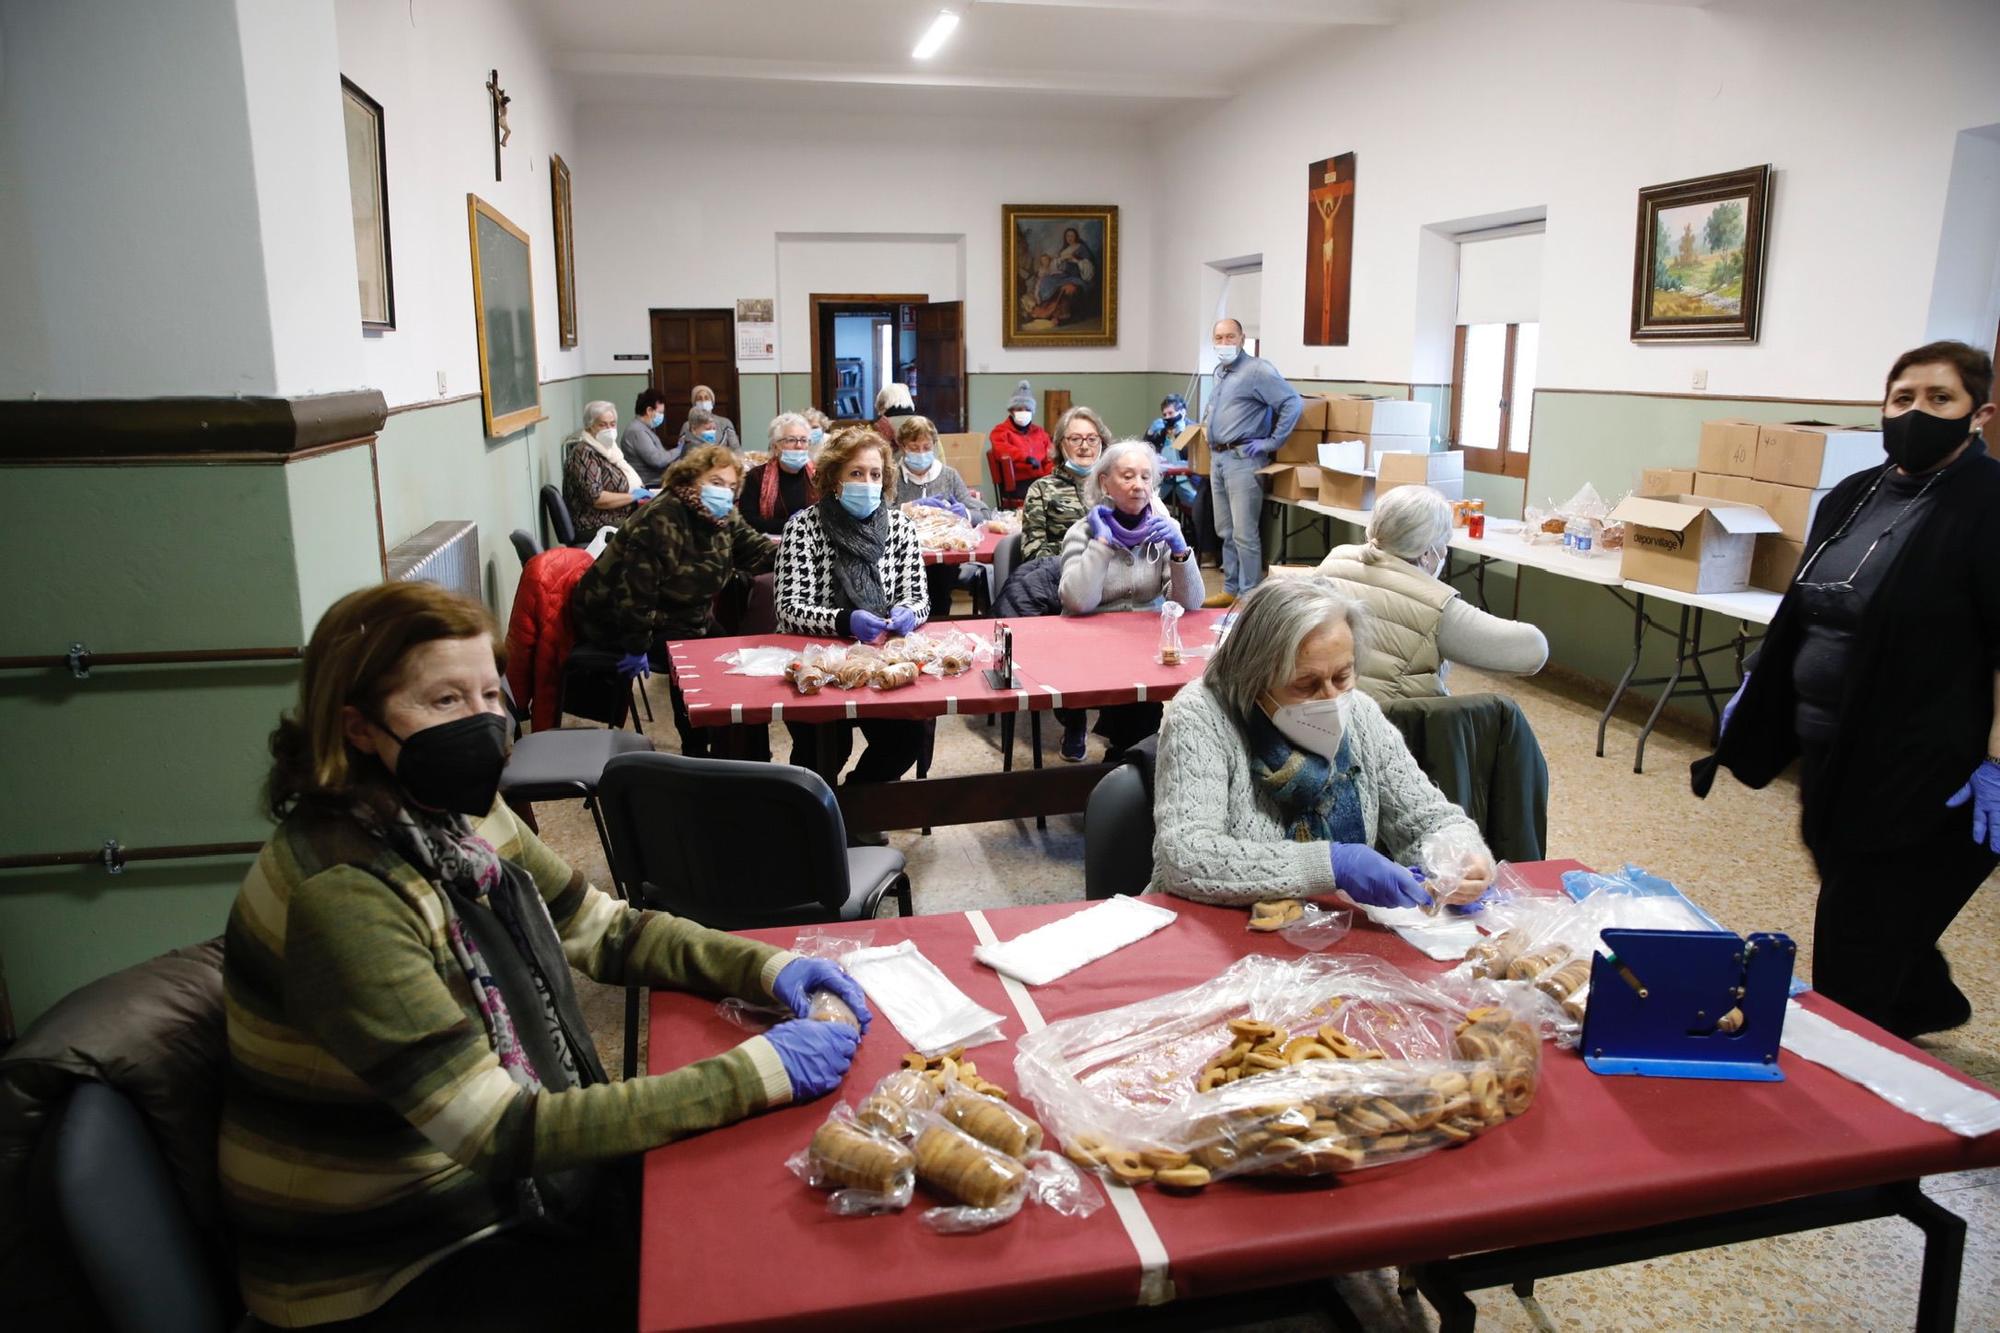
x=368, y=192
x=1698, y=264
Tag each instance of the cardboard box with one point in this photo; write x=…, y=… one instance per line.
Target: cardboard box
x=1668, y=481
x=1442, y=472
x=1193, y=444
x=967, y=453
x=1382, y=416
x=1728, y=446
x=1301, y=446
x=1316, y=414
x=1692, y=543
x=1792, y=507
x=1347, y=485
x=1814, y=454
x=1377, y=443
x=1348, y=455
x=1721, y=486
x=1774, y=562
x=1291, y=481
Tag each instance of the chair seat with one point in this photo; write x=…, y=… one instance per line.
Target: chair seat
x=871, y=870
x=552, y=765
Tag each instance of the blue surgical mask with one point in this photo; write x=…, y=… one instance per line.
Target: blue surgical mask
x=817, y=436
x=1226, y=353
x=708, y=437
x=792, y=460
x=861, y=498
x=1081, y=469
x=917, y=463
x=657, y=420
x=718, y=500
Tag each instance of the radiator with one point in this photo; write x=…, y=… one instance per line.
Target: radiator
x=445, y=553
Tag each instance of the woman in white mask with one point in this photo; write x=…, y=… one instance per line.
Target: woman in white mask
x=1421, y=624
x=600, y=486
x=1276, y=777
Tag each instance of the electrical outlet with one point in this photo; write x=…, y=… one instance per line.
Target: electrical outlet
x=440, y=384
x=1316, y=374
x=1701, y=379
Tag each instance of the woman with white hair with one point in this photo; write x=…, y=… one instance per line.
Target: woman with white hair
x=1124, y=554
x=892, y=401
x=1276, y=778
x=600, y=487
x=783, y=484
x=1421, y=624
x=702, y=417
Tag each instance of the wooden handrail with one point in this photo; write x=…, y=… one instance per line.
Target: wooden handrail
x=113, y=856
x=80, y=659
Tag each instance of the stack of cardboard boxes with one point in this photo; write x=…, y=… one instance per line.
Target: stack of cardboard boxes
x=1346, y=450
x=1783, y=470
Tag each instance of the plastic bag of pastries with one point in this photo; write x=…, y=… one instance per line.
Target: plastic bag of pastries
x=893, y=675
x=896, y=1103
x=986, y=1186
x=866, y=1171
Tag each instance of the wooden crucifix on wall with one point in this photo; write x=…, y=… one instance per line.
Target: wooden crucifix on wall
x=1329, y=250
x=501, y=133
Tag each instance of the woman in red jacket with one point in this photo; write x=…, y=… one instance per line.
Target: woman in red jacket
x=1023, y=444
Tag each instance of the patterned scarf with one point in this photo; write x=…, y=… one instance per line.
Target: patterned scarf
x=856, y=546
x=767, y=494
x=466, y=868
x=690, y=495
x=1320, y=801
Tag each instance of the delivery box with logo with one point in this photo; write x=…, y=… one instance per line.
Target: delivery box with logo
x=1693, y=543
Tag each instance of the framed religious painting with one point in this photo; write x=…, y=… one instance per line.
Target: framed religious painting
x=1329, y=250
x=1060, y=275
x=368, y=197
x=559, y=189
x=1698, y=262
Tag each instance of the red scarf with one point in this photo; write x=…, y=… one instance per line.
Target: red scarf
x=767, y=494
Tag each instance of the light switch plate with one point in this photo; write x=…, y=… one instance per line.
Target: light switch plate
x=440, y=384
x=1701, y=379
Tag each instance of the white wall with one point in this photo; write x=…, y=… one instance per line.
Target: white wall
x=929, y=266
x=648, y=235
x=1477, y=108
x=1965, y=295
x=427, y=65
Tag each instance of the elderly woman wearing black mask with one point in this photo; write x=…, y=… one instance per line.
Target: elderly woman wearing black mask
x=1880, y=675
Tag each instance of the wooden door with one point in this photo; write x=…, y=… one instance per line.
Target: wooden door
x=940, y=388
x=693, y=347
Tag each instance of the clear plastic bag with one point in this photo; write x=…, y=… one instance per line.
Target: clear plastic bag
x=1305, y=1067
x=956, y=653
x=866, y=1171
x=758, y=661
x=923, y=1004
x=813, y=942
x=1170, y=652
x=1310, y=926
x=1453, y=857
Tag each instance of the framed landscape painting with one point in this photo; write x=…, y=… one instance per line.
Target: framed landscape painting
x=1698, y=265
x=1060, y=274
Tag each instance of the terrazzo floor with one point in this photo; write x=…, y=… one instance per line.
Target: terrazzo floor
x=1736, y=853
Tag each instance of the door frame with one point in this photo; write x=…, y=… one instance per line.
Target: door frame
x=865, y=300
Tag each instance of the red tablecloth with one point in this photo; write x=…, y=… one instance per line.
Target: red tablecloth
x=731, y=1239
x=1101, y=660
x=983, y=555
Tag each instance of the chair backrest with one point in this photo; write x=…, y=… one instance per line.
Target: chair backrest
x=1006, y=555
x=555, y=513
x=526, y=545
x=148, y=1266
x=1118, y=831
x=1001, y=469
x=730, y=844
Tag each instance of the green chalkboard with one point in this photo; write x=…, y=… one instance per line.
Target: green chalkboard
x=503, y=301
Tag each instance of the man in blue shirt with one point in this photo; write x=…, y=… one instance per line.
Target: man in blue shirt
x=1250, y=412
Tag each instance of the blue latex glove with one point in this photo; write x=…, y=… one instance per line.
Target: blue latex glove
x=964, y=514
x=634, y=664
x=815, y=1055
x=1160, y=528
x=902, y=620
x=642, y=495
x=1259, y=450
x=1983, y=790
x=936, y=501
x=1367, y=876
x=1097, y=523
x=798, y=979
x=867, y=627
x=1729, y=709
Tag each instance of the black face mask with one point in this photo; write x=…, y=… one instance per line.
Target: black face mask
x=1916, y=440
x=455, y=765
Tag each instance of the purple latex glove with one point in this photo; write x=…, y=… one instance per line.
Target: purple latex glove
x=1729, y=709
x=867, y=627
x=815, y=1055
x=798, y=979
x=1097, y=523
x=1983, y=790
x=1257, y=450
x=1160, y=528
x=634, y=664
x=902, y=620
x=1372, y=879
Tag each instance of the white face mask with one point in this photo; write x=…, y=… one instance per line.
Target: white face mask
x=1316, y=725
x=705, y=404
x=607, y=437
x=1226, y=353
x=1023, y=418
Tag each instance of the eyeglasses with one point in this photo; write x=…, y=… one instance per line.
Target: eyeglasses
x=1847, y=584
x=799, y=440
x=1083, y=439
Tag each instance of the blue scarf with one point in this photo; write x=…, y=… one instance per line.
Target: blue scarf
x=1320, y=801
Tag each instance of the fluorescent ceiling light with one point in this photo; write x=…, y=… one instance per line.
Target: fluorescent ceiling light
x=940, y=29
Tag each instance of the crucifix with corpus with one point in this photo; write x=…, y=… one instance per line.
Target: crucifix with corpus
x=1329, y=197
x=501, y=131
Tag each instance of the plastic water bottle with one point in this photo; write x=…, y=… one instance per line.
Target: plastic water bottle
x=1577, y=536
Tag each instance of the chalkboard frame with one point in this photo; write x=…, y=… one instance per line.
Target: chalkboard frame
x=501, y=418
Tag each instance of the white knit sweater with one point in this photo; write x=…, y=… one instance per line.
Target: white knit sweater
x=1220, y=839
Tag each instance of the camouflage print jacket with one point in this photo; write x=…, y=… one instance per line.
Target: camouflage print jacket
x=658, y=577
x=1053, y=506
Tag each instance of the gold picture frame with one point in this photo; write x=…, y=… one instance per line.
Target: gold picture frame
x=503, y=307
x=1059, y=275
x=559, y=190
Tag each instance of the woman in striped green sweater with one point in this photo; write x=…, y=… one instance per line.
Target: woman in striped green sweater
x=417, y=1131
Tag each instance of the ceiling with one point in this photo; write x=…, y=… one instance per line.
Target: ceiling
x=1118, y=59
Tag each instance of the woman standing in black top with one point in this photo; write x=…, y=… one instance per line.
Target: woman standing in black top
x=1880, y=674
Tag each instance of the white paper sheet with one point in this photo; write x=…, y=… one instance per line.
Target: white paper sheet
x=1047, y=952
x=1926, y=1093
x=907, y=989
